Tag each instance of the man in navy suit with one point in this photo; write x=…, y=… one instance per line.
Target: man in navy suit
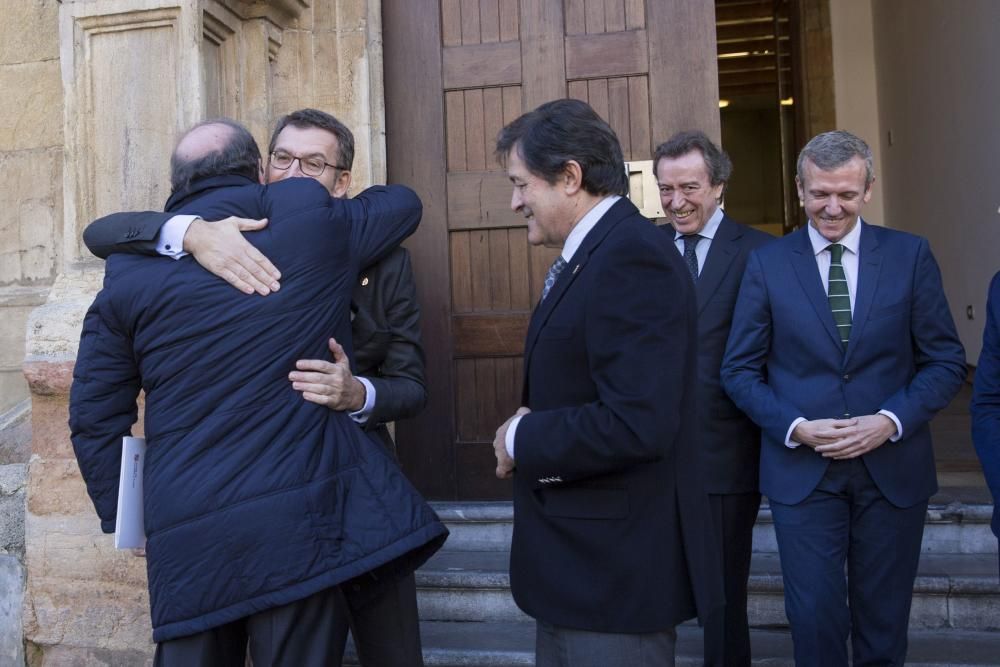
x=611, y=528
x=692, y=173
x=842, y=349
x=986, y=401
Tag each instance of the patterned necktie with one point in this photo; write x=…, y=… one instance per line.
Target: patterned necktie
x=690, y=258
x=837, y=293
x=550, y=277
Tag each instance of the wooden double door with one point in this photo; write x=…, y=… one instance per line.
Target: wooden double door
x=457, y=71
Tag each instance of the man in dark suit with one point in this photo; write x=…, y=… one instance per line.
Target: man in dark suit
x=388, y=382
x=842, y=349
x=692, y=173
x=986, y=401
x=611, y=526
x=259, y=507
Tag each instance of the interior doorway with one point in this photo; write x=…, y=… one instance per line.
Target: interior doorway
x=760, y=105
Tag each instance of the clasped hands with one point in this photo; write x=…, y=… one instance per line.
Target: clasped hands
x=845, y=438
x=505, y=464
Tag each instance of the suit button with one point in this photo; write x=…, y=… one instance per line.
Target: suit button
x=847, y=377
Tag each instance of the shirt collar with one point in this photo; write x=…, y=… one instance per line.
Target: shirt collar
x=587, y=222
x=852, y=241
x=711, y=227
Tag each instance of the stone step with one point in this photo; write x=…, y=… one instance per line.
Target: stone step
x=511, y=644
x=951, y=590
x=958, y=522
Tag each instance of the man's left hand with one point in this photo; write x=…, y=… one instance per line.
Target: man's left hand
x=869, y=432
x=329, y=384
x=505, y=464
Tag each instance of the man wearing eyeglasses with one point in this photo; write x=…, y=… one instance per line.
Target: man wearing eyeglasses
x=385, y=326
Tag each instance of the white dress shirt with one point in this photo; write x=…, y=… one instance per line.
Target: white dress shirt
x=170, y=243
x=573, y=241
x=850, y=260
x=706, y=234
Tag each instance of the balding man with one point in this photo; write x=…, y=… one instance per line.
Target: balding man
x=259, y=505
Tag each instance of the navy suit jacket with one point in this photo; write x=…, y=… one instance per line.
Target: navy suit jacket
x=728, y=440
x=610, y=522
x=784, y=359
x=986, y=400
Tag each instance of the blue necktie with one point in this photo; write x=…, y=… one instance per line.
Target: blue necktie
x=690, y=258
x=552, y=275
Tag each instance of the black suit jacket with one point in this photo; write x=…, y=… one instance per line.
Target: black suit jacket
x=611, y=528
x=729, y=441
x=385, y=322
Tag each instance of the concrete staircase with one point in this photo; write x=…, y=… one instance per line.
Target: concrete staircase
x=469, y=618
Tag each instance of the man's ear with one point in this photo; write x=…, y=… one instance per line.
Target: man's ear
x=342, y=183
x=572, y=177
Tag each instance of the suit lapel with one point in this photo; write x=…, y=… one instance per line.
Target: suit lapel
x=719, y=259
x=804, y=263
x=622, y=208
x=869, y=269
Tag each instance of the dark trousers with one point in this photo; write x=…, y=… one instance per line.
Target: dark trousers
x=386, y=629
x=312, y=632
x=846, y=519
x=565, y=647
x=727, y=631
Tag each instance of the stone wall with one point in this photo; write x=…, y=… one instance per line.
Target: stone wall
x=86, y=126
x=31, y=145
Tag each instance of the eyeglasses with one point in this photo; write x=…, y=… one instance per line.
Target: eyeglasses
x=313, y=165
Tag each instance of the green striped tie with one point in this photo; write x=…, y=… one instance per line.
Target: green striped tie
x=838, y=294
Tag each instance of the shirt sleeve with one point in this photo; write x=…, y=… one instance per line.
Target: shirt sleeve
x=170, y=241
x=791, y=444
x=895, y=420
x=509, y=436
x=361, y=416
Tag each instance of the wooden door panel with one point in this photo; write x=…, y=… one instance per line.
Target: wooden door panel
x=482, y=65
x=647, y=66
x=479, y=200
x=607, y=54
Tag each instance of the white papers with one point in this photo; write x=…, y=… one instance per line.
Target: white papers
x=130, y=533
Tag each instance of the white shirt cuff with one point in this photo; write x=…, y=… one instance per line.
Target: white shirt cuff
x=170, y=241
x=895, y=420
x=361, y=416
x=509, y=436
x=791, y=444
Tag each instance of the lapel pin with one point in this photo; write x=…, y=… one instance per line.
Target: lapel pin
x=364, y=281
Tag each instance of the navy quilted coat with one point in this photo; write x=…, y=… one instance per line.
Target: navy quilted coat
x=254, y=497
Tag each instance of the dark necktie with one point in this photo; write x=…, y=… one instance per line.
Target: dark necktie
x=838, y=294
x=552, y=275
x=690, y=258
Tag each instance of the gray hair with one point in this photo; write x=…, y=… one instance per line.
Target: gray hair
x=830, y=150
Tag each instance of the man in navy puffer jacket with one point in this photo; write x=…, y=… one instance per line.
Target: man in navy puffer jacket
x=257, y=503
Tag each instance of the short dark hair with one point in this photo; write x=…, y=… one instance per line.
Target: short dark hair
x=305, y=118
x=557, y=132
x=238, y=157
x=719, y=166
x=830, y=150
